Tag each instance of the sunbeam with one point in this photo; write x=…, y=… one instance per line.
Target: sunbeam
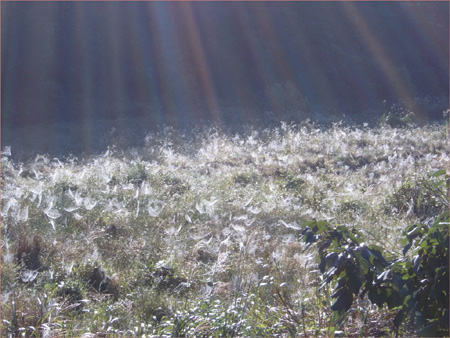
x=88, y=68
x=202, y=64
x=394, y=81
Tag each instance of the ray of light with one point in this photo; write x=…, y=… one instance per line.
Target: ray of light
x=273, y=66
x=82, y=48
x=434, y=46
x=390, y=72
x=115, y=80
x=163, y=55
x=201, y=61
x=278, y=67
x=417, y=22
x=292, y=68
x=257, y=55
x=141, y=85
x=180, y=63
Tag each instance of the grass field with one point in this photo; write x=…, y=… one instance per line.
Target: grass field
x=201, y=236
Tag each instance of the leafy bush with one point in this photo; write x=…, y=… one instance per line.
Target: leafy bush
x=416, y=285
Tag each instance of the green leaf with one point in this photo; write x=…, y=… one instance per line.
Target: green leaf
x=429, y=331
x=354, y=281
x=343, y=302
x=385, y=276
x=406, y=248
x=416, y=262
x=363, y=262
x=438, y=184
x=354, y=238
x=413, y=232
x=398, y=319
x=407, y=301
x=322, y=225
x=377, y=295
x=309, y=223
x=439, y=173
x=393, y=299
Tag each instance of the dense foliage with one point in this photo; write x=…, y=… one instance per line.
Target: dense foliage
x=417, y=286
x=201, y=237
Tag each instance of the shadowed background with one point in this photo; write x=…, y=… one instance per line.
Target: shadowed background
x=73, y=71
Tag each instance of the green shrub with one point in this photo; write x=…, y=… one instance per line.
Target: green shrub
x=72, y=294
x=415, y=285
x=423, y=198
x=137, y=174
x=244, y=179
x=397, y=117
x=96, y=279
x=294, y=183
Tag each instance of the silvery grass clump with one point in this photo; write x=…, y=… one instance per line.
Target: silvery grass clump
x=144, y=234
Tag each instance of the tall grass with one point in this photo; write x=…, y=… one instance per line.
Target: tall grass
x=200, y=236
